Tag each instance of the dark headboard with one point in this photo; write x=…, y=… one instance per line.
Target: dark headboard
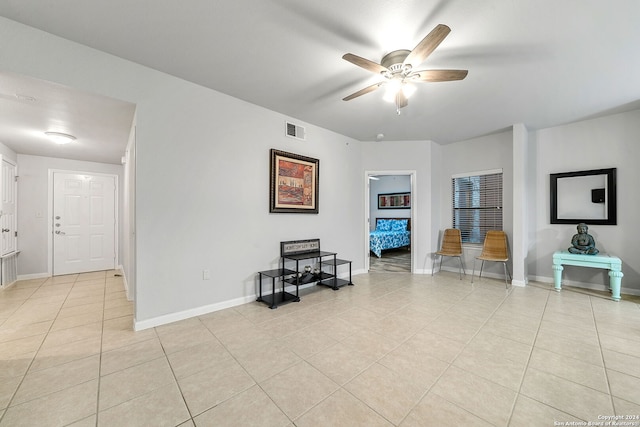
x=408, y=222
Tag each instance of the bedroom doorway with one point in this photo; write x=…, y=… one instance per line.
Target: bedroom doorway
x=399, y=188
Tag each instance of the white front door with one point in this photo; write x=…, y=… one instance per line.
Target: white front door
x=84, y=225
x=8, y=208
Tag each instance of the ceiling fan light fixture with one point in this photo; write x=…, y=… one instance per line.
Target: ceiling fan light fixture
x=391, y=89
x=60, y=137
x=395, y=86
x=408, y=90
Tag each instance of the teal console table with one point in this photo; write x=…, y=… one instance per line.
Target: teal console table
x=607, y=262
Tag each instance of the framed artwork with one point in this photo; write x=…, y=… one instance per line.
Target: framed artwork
x=394, y=201
x=294, y=183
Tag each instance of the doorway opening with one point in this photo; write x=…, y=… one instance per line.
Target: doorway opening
x=382, y=186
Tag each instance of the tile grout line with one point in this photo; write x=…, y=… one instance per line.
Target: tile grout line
x=175, y=378
x=604, y=364
x=526, y=368
x=13, y=395
x=509, y=293
x=104, y=296
x=256, y=383
x=46, y=335
x=554, y=375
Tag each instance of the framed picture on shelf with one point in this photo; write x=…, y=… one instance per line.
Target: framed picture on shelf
x=394, y=201
x=293, y=183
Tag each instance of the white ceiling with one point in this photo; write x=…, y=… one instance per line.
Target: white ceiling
x=537, y=62
x=30, y=107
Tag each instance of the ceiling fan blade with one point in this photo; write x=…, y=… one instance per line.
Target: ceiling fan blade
x=437, y=75
x=427, y=45
x=363, y=91
x=364, y=63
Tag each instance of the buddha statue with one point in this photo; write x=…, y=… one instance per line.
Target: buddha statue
x=583, y=242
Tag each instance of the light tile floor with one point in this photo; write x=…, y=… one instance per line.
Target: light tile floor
x=394, y=350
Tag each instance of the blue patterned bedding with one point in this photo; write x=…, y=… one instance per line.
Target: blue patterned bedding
x=389, y=234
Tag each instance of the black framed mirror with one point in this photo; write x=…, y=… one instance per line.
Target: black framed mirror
x=584, y=196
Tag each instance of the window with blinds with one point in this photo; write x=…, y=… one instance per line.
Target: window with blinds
x=477, y=205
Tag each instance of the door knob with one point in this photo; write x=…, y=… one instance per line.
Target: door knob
x=60, y=232
x=5, y=230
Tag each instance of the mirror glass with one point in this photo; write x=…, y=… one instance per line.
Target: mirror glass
x=584, y=196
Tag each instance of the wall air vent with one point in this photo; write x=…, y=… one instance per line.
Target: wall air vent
x=294, y=131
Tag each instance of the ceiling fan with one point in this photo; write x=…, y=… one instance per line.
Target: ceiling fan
x=397, y=69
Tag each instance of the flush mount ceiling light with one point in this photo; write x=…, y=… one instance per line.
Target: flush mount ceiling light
x=60, y=138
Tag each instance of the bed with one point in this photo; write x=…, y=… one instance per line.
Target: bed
x=390, y=233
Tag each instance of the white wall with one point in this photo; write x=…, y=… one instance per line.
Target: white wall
x=407, y=156
x=475, y=155
x=128, y=225
x=7, y=152
x=608, y=142
x=32, y=207
x=387, y=184
x=202, y=178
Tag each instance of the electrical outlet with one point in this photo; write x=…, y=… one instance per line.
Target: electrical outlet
x=206, y=275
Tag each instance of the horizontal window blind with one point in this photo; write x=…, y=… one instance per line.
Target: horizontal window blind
x=477, y=205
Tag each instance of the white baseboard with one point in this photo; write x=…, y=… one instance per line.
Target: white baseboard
x=33, y=276
x=125, y=283
x=199, y=311
x=192, y=312
x=584, y=285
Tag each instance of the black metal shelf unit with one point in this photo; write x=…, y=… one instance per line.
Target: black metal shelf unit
x=276, y=298
x=296, y=251
x=334, y=264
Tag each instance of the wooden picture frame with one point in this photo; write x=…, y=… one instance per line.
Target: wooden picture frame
x=293, y=183
x=394, y=201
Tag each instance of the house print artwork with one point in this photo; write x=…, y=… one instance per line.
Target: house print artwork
x=294, y=183
x=394, y=201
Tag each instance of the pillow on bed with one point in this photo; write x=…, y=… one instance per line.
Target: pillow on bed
x=384, y=225
x=399, y=225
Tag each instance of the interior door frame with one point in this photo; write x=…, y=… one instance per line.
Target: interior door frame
x=116, y=209
x=367, y=211
x=15, y=209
